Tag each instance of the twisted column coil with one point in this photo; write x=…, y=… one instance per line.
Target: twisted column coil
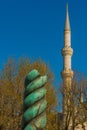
x=34, y=105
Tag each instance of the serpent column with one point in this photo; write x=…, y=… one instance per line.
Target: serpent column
x=34, y=105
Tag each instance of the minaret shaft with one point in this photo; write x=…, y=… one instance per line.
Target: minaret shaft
x=67, y=62
x=67, y=38
x=67, y=73
x=67, y=51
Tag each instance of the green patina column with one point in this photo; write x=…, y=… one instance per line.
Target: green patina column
x=34, y=105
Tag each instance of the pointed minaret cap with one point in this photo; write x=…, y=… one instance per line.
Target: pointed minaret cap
x=67, y=22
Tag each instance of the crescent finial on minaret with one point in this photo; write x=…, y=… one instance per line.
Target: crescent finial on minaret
x=67, y=22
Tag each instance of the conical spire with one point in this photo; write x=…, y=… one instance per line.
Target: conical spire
x=67, y=23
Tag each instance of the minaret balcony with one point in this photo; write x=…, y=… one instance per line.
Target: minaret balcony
x=67, y=51
x=67, y=73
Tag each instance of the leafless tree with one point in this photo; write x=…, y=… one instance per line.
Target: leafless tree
x=76, y=103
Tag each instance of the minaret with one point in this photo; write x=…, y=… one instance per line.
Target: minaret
x=67, y=51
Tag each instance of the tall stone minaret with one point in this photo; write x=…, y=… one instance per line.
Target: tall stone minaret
x=67, y=51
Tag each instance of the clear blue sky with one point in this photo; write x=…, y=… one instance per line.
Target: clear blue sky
x=34, y=28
